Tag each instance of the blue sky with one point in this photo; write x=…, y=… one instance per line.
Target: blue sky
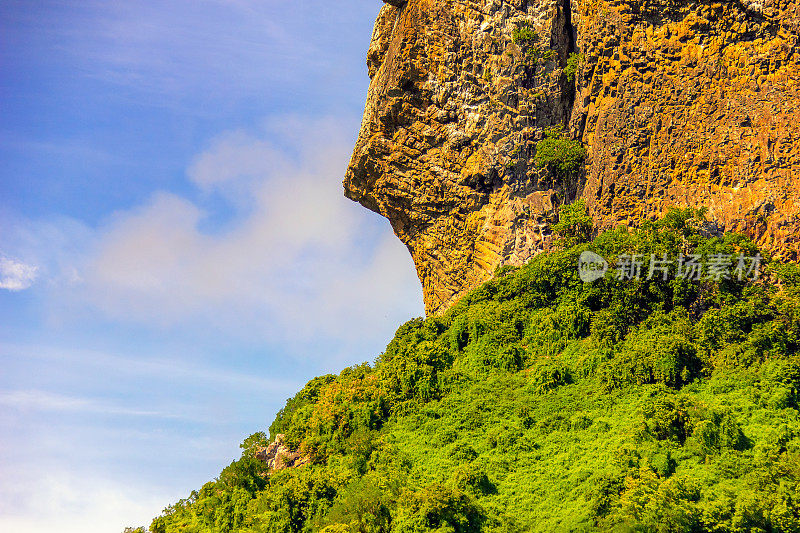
x=176, y=255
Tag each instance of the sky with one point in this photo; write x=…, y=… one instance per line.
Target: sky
x=176, y=255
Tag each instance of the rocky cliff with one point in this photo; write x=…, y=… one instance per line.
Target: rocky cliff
x=677, y=103
x=278, y=456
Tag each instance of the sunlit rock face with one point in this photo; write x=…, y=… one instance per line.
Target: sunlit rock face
x=278, y=456
x=678, y=103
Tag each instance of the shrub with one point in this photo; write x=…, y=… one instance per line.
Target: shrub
x=663, y=464
x=548, y=374
x=438, y=508
x=716, y=433
x=559, y=153
x=462, y=452
x=573, y=62
x=362, y=507
x=470, y=478
x=661, y=506
x=611, y=447
x=574, y=223
x=667, y=417
x=524, y=35
x=660, y=351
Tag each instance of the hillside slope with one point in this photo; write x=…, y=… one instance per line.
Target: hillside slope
x=543, y=403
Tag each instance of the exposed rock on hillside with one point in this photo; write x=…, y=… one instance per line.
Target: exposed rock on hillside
x=678, y=103
x=278, y=455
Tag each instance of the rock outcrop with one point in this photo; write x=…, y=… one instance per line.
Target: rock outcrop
x=678, y=103
x=278, y=455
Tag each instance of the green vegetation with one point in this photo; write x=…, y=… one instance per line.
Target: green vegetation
x=573, y=62
x=527, y=39
x=559, y=153
x=574, y=224
x=541, y=403
x=524, y=35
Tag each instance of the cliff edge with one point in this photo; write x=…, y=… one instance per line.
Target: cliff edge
x=676, y=103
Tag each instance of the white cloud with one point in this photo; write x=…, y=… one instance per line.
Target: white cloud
x=186, y=295
x=56, y=246
x=297, y=258
x=49, y=499
x=235, y=156
x=15, y=275
x=260, y=247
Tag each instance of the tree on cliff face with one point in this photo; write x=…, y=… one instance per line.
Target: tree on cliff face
x=574, y=224
x=559, y=153
x=253, y=443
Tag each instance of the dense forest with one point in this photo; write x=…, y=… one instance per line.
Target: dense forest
x=543, y=403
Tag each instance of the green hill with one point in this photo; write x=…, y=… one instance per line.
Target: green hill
x=543, y=403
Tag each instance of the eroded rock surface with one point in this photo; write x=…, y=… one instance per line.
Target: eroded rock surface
x=278, y=455
x=678, y=103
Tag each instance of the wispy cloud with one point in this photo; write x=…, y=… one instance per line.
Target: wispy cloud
x=35, y=400
x=140, y=367
x=16, y=275
x=193, y=293
x=204, y=48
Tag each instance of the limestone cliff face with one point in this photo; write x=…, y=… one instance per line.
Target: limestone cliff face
x=678, y=103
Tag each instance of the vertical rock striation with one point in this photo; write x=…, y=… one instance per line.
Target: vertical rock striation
x=678, y=103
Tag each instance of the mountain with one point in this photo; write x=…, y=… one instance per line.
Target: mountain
x=676, y=103
x=601, y=201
